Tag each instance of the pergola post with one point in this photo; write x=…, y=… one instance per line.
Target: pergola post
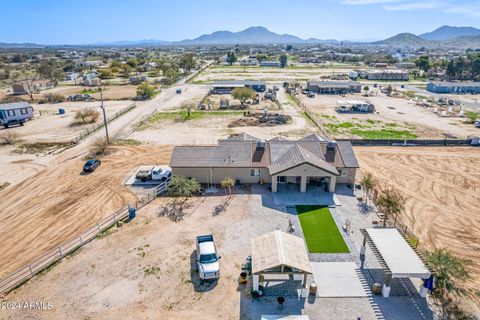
x=274, y=183
x=333, y=182
x=363, y=249
x=305, y=275
x=256, y=282
x=303, y=184
x=386, y=285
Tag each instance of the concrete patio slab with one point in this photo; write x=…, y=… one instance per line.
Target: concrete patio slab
x=337, y=279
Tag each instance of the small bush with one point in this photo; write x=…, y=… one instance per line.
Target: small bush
x=52, y=98
x=99, y=149
x=83, y=117
x=9, y=137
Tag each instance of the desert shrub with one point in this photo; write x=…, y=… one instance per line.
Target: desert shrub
x=99, y=148
x=9, y=137
x=87, y=116
x=52, y=98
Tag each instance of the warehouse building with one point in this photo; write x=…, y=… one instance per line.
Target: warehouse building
x=334, y=87
x=398, y=75
x=454, y=87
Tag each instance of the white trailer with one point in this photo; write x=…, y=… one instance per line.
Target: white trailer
x=15, y=113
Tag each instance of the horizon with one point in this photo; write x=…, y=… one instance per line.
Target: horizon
x=51, y=23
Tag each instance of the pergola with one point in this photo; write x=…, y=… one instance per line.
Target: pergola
x=278, y=252
x=396, y=256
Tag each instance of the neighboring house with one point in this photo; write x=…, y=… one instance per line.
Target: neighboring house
x=454, y=87
x=149, y=66
x=88, y=63
x=249, y=62
x=71, y=76
x=91, y=80
x=138, y=79
x=406, y=65
x=226, y=86
x=269, y=63
x=311, y=160
x=398, y=75
x=35, y=86
x=15, y=113
x=334, y=87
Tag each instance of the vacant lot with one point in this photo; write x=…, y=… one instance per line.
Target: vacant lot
x=396, y=118
x=48, y=125
x=206, y=127
x=320, y=230
x=59, y=202
x=272, y=74
x=441, y=186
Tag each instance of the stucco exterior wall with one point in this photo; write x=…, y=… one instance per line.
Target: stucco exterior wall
x=349, y=177
x=242, y=174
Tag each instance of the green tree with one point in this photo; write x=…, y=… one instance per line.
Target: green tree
x=145, y=91
x=183, y=187
x=366, y=88
x=228, y=184
x=423, y=63
x=187, y=62
x=51, y=70
x=389, y=90
x=391, y=203
x=231, y=57
x=105, y=74
x=368, y=183
x=283, y=60
x=451, y=274
x=188, y=106
x=243, y=94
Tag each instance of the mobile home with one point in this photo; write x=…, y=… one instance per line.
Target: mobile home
x=15, y=113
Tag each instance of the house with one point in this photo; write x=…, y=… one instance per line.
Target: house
x=15, y=113
x=399, y=75
x=310, y=161
x=454, y=87
x=148, y=66
x=270, y=63
x=28, y=86
x=226, y=86
x=138, y=79
x=91, y=80
x=88, y=63
x=334, y=87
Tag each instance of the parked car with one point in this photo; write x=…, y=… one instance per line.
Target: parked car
x=207, y=258
x=310, y=94
x=91, y=165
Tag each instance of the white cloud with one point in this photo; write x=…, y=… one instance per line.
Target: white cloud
x=412, y=6
x=364, y=2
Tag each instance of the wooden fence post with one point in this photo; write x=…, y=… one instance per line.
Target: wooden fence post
x=30, y=268
x=60, y=251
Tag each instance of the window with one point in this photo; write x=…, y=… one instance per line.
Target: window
x=10, y=113
x=281, y=179
x=24, y=111
x=255, y=172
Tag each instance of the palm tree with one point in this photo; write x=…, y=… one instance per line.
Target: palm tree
x=391, y=203
x=228, y=183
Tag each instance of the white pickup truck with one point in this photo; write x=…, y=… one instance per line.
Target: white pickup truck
x=207, y=258
x=155, y=173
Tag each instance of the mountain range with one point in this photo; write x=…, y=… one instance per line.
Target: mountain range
x=445, y=36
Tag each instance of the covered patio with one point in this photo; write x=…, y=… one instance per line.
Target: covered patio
x=397, y=258
x=280, y=260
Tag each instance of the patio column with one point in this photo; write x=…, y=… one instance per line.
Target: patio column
x=333, y=182
x=274, y=183
x=256, y=282
x=303, y=184
x=386, y=285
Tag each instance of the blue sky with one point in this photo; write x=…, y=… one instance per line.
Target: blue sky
x=89, y=21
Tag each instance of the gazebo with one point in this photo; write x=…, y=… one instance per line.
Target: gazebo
x=397, y=258
x=279, y=253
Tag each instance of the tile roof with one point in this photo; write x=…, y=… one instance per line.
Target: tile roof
x=276, y=249
x=296, y=156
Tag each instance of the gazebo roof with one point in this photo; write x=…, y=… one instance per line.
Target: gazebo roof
x=395, y=253
x=276, y=249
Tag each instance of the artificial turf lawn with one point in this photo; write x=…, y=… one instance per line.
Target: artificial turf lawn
x=320, y=230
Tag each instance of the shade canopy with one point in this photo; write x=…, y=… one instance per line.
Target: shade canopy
x=397, y=254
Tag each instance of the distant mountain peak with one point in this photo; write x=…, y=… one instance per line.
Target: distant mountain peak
x=450, y=32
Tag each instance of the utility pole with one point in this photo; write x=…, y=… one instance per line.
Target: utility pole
x=104, y=116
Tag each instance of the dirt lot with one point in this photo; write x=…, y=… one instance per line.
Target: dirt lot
x=393, y=113
x=272, y=74
x=210, y=128
x=235, y=104
x=48, y=125
x=441, y=186
x=59, y=202
x=111, y=92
